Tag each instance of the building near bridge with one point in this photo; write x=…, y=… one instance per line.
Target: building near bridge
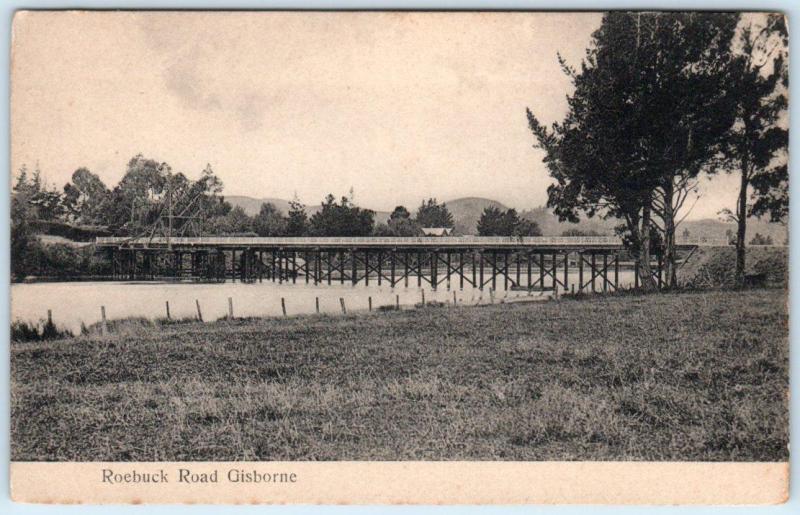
x=437, y=231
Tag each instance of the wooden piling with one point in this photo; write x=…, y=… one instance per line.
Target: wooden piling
x=167, y=304
x=49, y=317
x=316, y=299
x=230, y=308
x=341, y=303
x=283, y=306
x=423, y=297
x=369, y=299
x=104, y=324
x=199, y=313
x=397, y=301
x=455, y=300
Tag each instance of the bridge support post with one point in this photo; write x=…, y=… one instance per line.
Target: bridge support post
x=392, y=264
x=566, y=271
x=480, y=256
x=580, y=272
x=461, y=269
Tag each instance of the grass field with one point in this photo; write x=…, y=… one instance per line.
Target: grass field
x=683, y=376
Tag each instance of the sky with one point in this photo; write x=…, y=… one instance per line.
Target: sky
x=397, y=106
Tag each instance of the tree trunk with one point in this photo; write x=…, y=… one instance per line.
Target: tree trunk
x=741, y=220
x=670, y=272
x=645, y=272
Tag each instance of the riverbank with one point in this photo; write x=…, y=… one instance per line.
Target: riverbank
x=684, y=376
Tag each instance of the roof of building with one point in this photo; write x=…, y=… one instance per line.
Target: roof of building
x=437, y=231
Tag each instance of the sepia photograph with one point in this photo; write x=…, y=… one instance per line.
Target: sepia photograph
x=248, y=244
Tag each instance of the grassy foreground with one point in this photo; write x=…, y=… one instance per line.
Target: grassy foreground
x=690, y=376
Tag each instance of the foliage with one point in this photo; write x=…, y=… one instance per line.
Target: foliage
x=269, y=222
x=342, y=219
x=433, y=214
x=495, y=222
x=648, y=113
x=297, y=221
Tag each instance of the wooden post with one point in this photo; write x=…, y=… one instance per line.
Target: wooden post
x=354, y=272
x=369, y=299
x=518, y=269
x=330, y=266
x=419, y=268
x=230, y=308
x=660, y=266
x=594, y=271
x=341, y=267
x=494, y=270
x=566, y=271
x=449, y=267
x=199, y=313
x=455, y=300
x=168, y=317
x=434, y=270
x=366, y=267
x=397, y=301
x=283, y=306
x=573, y=289
x=461, y=269
x=316, y=299
x=636, y=273
x=393, y=265
x=49, y=317
x=505, y=267
x=341, y=302
x=554, y=271
x=541, y=271
x=616, y=271
x=423, y=297
x=405, y=268
x=380, y=266
x=474, y=279
x=481, y=270
x=491, y=295
x=605, y=272
x=530, y=282
x=104, y=324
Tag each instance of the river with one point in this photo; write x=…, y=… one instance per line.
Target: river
x=73, y=303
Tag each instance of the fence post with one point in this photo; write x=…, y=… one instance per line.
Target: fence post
x=455, y=301
x=49, y=317
x=397, y=301
x=317, y=303
x=104, y=325
x=230, y=308
x=369, y=299
x=168, y=317
x=341, y=302
x=423, y=297
x=283, y=306
x=199, y=313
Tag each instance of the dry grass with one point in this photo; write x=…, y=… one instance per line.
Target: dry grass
x=689, y=376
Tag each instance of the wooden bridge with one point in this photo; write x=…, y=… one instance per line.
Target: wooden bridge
x=532, y=263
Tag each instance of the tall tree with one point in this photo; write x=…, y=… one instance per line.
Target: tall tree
x=341, y=219
x=758, y=141
x=433, y=214
x=401, y=224
x=297, y=223
x=638, y=124
x=269, y=221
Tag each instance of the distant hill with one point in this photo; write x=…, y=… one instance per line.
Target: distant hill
x=467, y=211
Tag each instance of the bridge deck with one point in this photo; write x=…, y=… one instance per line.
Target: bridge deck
x=453, y=242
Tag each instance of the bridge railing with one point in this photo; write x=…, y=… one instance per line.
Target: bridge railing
x=567, y=241
x=368, y=240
